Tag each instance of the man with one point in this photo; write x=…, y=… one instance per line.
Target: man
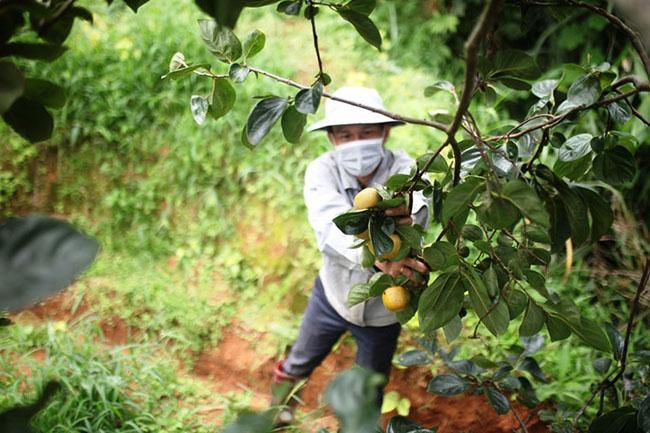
x=358, y=160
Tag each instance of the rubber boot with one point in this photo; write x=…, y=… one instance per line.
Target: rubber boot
x=284, y=396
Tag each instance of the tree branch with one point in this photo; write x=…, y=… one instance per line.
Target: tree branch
x=315, y=37
x=394, y=116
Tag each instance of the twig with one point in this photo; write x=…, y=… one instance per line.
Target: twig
x=311, y=8
x=634, y=36
x=394, y=116
x=643, y=87
x=606, y=382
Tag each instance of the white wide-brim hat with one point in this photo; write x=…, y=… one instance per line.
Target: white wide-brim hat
x=340, y=113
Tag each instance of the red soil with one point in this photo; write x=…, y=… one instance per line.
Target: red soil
x=235, y=365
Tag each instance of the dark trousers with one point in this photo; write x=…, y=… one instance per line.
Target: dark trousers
x=321, y=328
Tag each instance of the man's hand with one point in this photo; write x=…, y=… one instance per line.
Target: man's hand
x=400, y=211
x=407, y=267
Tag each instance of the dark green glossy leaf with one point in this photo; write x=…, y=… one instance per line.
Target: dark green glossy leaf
x=496, y=318
x=289, y=7
x=600, y=211
x=38, y=257
x=183, y=71
x=135, y=4
x=497, y=400
x=391, y=202
x=621, y=420
x=517, y=302
x=308, y=100
x=452, y=329
x=619, y=112
x=544, y=89
x=530, y=365
x=537, y=282
x=591, y=333
x=265, y=114
x=440, y=255
x=447, y=385
x=441, y=302
x=524, y=198
x=601, y=365
x=439, y=85
x=410, y=236
x=460, y=197
x=379, y=282
x=615, y=339
x=471, y=232
x=364, y=26
x=220, y=40
x=533, y=320
x=34, y=51
x=397, y=181
x=584, y=91
x=353, y=222
x=575, y=147
x=253, y=44
x=223, y=98
x=358, y=293
x=643, y=416
x=574, y=170
x=557, y=329
x=439, y=165
x=510, y=63
x=352, y=396
x=576, y=213
x=45, y=92
x=225, y=12
x=491, y=281
x=381, y=241
x=498, y=213
x=30, y=119
x=364, y=7
x=293, y=123
x=615, y=166
x=12, y=85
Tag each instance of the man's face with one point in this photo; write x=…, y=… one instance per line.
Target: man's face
x=345, y=133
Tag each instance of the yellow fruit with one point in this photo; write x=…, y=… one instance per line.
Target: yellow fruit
x=363, y=235
x=395, y=298
x=397, y=244
x=366, y=198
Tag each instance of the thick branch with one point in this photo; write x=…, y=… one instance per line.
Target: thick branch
x=394, y=116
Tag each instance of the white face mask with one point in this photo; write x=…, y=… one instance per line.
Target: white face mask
x=360, y=157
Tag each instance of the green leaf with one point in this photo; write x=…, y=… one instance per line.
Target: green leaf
x=253, y=44
x=575, y=147
x=220, y=40
x=615, y=166
x=364, y=7
x=460, y=197
x=352, y=396
x=135, y=4
x=574, y=170
x=358, y=293
x=199, y=107
x=557, y=329
x=364, y=26
x=621, y=420
x=498, y=213
x=29, y=119
x=223, y=98
x=441, y=302
x=517, y=302
x=263, y=117
x=510, y=63
x=498, y=318
x=530, y=365
x=12, y=85
x=440, y=255
x=584, y=91
x=619, y=112
x=527, y=201
x=471, y=232
x=643, y=417
x=411, y=237
x=544, y=89
x=447, y=385
x=183, y=72
x=379, y=282
x=439, y=165
x=38, y=257
x=497, y=400
x=353, y=222
x=538, y=234
x=533, y=320
x=391, y=202
x=491, y=281
x=381, y=241
x=439, y=85
x=293, y=123
x=397, y=181
x=238, y=73
x=576, y=213
x=600, y=211
x=45, y=92
x=412, y=358
x=33, y=51
x=616, y=340
x=452, y=329
x=590, y=333
x=308, y=100
x=226, y=12
x=601, y=365
x=537, y=282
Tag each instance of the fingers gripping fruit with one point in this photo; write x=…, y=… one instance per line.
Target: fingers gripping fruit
x=397, y=244
x=366, y=198
x=395, y=298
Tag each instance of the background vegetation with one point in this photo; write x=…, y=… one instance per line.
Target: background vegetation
x=199, y=233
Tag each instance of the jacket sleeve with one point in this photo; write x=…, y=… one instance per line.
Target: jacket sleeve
x=324, y=202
